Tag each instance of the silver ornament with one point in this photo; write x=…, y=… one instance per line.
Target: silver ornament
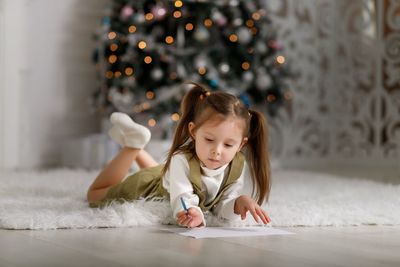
x=263, y=81
x=238, y=22
x=261, y=47
x=200, y=61
x=233, y=3
x=224, y=68
x=218, y=17
x=248, y=76
x=201, y=34
x=244, y=35
x=157, y=74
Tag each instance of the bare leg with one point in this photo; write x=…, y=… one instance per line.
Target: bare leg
x=112, y=174
x=117, y=169
x=145, y=160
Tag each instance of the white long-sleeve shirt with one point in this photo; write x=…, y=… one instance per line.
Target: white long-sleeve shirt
x=176, y=181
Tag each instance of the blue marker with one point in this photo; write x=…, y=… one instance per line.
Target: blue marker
x=184, y=205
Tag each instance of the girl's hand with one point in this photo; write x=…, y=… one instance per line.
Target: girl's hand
x=190, y=219
x=245, y=203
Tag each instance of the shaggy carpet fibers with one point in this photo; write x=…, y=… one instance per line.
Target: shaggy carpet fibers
x=56, y=199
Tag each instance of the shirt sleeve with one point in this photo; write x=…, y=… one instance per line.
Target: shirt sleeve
x=225, y=207
x=176, y=181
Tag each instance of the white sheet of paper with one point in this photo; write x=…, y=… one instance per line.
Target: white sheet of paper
x=212, y=232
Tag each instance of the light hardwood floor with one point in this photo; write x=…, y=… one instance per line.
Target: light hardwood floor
x=150, y=246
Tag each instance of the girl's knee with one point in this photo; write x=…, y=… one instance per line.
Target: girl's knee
x=94, y=195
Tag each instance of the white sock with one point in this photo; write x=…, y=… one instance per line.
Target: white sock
x=116, y=135
x=130, y=133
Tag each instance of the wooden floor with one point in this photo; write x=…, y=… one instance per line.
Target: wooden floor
x=150, y=246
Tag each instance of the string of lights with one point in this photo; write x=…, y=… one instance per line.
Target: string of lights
x=146, y=49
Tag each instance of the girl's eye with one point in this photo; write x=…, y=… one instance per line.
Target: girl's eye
x=228, y=145
x=209, y=140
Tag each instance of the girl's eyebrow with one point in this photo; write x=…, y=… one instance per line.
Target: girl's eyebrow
x=209, y=133
x=228, y=140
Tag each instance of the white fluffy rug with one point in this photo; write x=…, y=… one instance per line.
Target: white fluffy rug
x=56, y=199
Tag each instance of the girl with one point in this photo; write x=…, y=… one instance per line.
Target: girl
x=205, y=168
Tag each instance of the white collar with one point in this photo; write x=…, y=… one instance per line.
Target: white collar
x=211, y=172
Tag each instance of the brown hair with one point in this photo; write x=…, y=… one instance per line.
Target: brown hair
x=199, y=105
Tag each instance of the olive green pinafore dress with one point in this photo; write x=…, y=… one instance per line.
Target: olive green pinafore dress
x=147, y=184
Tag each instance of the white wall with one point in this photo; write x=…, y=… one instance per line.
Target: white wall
x=48, y=77
x=10, y=26
x=1, y=83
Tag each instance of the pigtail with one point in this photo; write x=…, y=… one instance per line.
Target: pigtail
x=257, y=153
x=189, y=106
x=198, y=105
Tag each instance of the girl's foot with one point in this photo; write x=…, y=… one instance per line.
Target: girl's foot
x=128, y=133
x=116, y=135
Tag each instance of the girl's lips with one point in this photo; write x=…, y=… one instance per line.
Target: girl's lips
x=213, y=164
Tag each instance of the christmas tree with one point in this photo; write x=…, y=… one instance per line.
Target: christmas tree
x=147, y=49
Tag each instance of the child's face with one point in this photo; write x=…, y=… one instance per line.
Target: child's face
x=217, y=141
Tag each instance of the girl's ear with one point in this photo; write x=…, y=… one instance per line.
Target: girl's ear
x=191, y=127
x=244, y=142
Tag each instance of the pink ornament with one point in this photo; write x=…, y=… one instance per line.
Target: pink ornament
x=221, y=21
x=126, y=12
x=219, y=18
x=275, y=45
x=158, y=11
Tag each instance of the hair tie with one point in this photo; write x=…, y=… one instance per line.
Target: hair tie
x=204, y=95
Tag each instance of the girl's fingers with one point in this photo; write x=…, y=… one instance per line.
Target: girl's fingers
x=243, y=214
x=186, y=221
x=255, y=216
x=262, y=215
x=244, y=211
x=192, y=224
x=180, y=219
x=266, y=215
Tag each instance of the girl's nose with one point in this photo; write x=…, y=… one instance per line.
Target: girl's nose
x=216, y=152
